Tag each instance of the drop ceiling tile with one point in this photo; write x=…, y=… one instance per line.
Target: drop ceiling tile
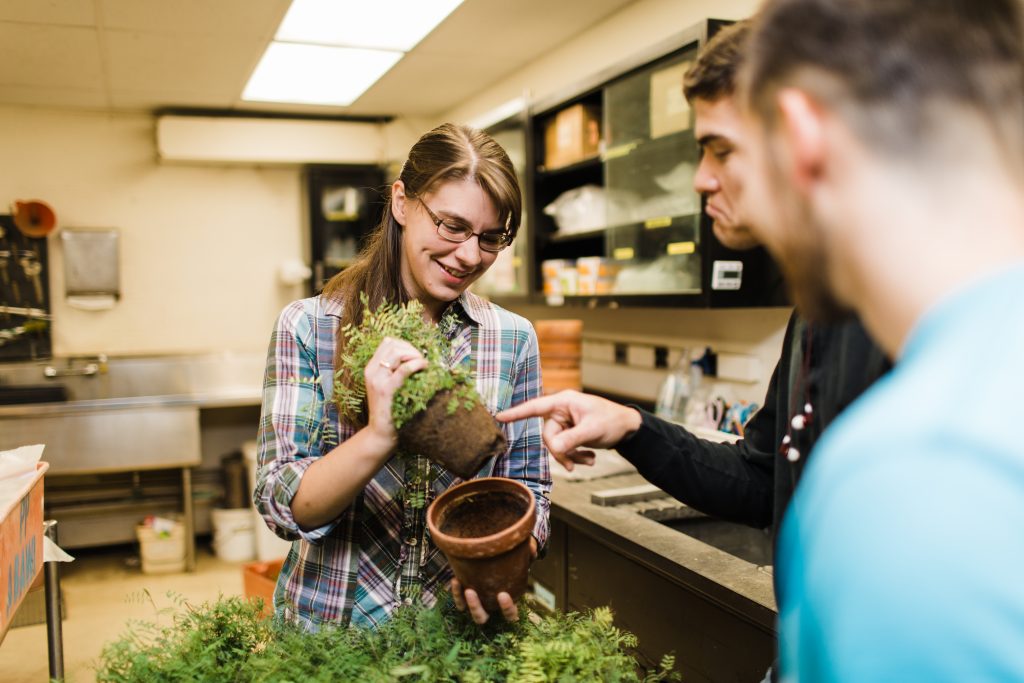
x=74, y=98
x=429, y=84
x=62, y=12
x=183, y=63
x=49, y=56
x=258, y=18
x=149, y=100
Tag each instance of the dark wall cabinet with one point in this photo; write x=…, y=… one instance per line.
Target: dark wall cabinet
x=345, y=204
x=667, y=612
x=614, y=218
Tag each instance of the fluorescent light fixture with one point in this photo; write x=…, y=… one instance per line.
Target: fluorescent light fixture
x=382, y=24
x=316, y=74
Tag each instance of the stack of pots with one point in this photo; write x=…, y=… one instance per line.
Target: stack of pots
x=561, y=347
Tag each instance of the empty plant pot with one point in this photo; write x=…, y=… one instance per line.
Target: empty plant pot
x=459, y=442
x=483, y=526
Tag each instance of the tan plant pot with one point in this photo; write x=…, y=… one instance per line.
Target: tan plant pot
x=483, y=527
x=460, y=443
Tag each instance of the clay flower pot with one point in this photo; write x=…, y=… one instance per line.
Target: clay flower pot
x=460, y=443
x=483, y=526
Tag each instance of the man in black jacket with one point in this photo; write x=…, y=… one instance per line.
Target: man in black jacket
x=822, y=369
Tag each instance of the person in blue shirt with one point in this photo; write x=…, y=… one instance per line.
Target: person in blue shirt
x=889, y=144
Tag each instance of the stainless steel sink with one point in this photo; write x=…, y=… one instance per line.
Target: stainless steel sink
x=32, y=393
x=744, y=542
x=121, y=414
x=647, y=500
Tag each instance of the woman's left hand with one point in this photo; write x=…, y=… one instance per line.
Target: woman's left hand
x=468, y=599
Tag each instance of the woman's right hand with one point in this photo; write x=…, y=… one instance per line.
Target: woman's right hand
x=392, y=362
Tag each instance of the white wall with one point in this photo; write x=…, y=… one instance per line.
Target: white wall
x=200, y=245
x=616, y=38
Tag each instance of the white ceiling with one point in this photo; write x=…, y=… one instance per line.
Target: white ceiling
x=137, y=55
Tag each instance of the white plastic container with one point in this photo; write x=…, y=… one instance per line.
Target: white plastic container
x=163, y=552
x=268, y=545
x=233, y=538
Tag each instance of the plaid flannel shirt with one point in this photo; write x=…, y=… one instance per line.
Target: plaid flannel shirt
x=377, y=553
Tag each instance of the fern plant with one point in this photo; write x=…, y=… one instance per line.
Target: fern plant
x=405, y=322
x=229, y=641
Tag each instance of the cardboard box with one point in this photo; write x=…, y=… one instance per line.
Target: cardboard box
x=670, y=112
x=572, y=135
x=21, y=545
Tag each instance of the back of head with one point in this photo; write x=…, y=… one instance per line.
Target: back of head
x=715, y=72
x=896, y=70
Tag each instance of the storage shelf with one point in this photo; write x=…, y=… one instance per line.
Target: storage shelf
x=588, y=163
x=658, y=223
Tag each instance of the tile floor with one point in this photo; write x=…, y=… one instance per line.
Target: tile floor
x=102, y=590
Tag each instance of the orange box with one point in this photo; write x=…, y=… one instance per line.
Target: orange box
x=571, y=135
x=21, y=545
x=259, y=580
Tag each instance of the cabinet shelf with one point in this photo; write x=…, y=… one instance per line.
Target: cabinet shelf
x=646, y=146
x=646, y=168
x=583, y=164
x=659, y=223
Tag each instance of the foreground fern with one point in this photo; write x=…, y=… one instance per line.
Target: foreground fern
x=229, y=642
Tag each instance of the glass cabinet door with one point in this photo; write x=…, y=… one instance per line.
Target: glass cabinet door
x=652, y=243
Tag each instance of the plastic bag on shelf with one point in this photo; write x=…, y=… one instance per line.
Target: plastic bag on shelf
x=590, y=207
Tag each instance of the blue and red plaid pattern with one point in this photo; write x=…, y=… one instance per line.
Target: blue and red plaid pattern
x=358, y=568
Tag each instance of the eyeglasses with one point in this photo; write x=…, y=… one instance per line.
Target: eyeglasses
x=488, y=241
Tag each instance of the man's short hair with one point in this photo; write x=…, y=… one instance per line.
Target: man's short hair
x=895, y=68
x=714, y=73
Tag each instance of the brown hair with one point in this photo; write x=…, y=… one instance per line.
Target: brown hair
x=448, y=152
x=714, y=73
x=894, y=69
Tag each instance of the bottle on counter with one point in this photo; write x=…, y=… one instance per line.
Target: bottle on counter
x=676, y=390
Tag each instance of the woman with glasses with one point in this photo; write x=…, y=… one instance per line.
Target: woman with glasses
x=359, y=547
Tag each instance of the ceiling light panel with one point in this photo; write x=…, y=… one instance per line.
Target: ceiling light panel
x=316, y=74
x=384, y=24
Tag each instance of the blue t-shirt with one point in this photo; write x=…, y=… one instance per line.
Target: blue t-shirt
x=901, y=557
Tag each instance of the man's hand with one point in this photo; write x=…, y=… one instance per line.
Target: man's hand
x=573, y=420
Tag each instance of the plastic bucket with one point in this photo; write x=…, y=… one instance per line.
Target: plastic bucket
x=233, y=538
x=268, y=545
x=162, y=553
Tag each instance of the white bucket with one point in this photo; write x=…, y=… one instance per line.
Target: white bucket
x=161, y=553
x=233, y=538
x=268, y=545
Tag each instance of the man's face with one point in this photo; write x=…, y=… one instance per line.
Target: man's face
x=724, y=165
x=787, y=224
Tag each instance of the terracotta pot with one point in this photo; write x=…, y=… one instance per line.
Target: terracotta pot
x=483, y=527
x=460, y=443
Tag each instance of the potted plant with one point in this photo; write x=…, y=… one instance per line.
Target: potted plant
x=483, y=527
x=437, y=411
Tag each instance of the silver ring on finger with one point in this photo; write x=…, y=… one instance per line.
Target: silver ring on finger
x=386, y=364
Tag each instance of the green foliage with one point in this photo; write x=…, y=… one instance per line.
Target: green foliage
x=229, y=642
x=401, y=322
x=207, y=643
